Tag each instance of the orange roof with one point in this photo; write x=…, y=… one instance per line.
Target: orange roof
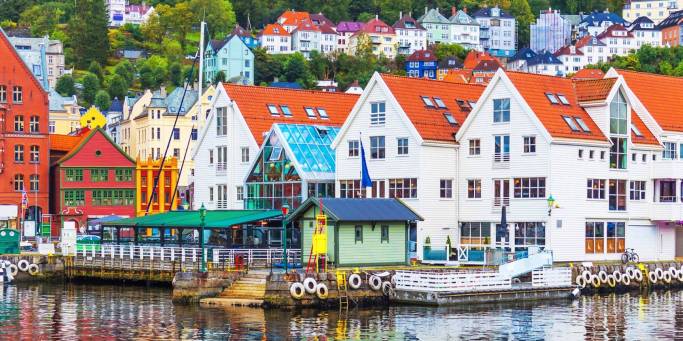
x=474, y=57
x=430, y=122
x=64, y=143
x=274, y=30
x=306, y=25
x=660, y=96
x=292, y=18
x=253, y=103
x=647, y=136
x=534, y=88
x=588, y=90
x=589, y=74
x=458, y=76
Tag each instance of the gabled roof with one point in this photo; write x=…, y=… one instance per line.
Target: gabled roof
x=9, y=46
x=647, y=136
x=597, y=18
x=491, y=11
x=433, y=16
x=274, y=30
x=292, y=18
x=64, y=143
x=474, y=57
x=568, y=51
x=588, y=41
x=320, y=19
x=253, y=102
x=589, y=74
x=359, y=210
x=407, y=22
x=422, y=56
x=217, y=44
x=643, y=24
x=458, y=76
x=544, y=57
x=377, y=26
x=609, y=32
x=487, y=66
x=327, y=29
x=84, y=140
x=588, y=90
x=115, y=106
x=430, y=122
x=533, y=88
x=523, y=54
x=462, y=18
x=349, y=26
x=306, y=26
x=673, y=19
x=240, y=31
x=450, y=62
x=659, y=95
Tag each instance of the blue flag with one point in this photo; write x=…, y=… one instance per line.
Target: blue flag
x=365, y=180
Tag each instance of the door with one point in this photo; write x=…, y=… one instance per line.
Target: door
x=503, y=237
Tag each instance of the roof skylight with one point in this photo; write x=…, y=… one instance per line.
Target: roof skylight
x=286, y=111
x=323, y=113
x=563, y=99
x=310, y=112
x=582, y=124
x=464, y=106
x=451, y=120
x=439, y=103
x=552, y=98
x=427, y=101
x=272, y=108
x=571, y=123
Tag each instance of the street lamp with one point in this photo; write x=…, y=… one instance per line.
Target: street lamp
x=285, y=210
x=551, y=204
x=202, y=217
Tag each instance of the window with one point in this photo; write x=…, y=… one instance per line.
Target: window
x=245, y=154
x=502, y=148
x=618, y=112
x=427, y=101
x=273, y=110
x=529, y=187
x=474, y=189
x=529, y=144
x=74, y=198
x=377, y=113
x=595, y=237
x=616, y=237
x=602, y=155
x=240, y=192
x=552, y=98
x=385, y=234
x=74, y=175
x=17, y=94
x=310, y=112
x=377, y=150
x=378, y=189
x=570, y=122
x=450, y=119
x=3, y=94
x=276, y=154
x=403, y=188
x=19, y=123
x=123, y=175
x=563, y=99
x=19, y=153
x=52, y=127
x=286, y=111
x=222, y=191
x=582, y=124
x=402, y=143
x=194, y=134
x=210, y=156
x=358, y=234
x=354, y=148
x=595, y=189
x=34, y=183
x=669, y=152
x=529, y=234
x=446, y=188
x=667, y=190
x=19, y=182
x=34, y=124
x=211, y=194
x=176, y=152
x=99, y=175
x=501, y=110
x=617, y=154
x=580, y=153
x=637, y=190
x=475, y=233
x=323, y=113
x=439, y=103
x=643, y=158
x=176, y=133
x=475, y=147
x=221, y=121
x=351, y=189
x=617, y=195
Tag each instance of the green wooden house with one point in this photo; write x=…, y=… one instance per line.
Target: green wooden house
x=360, y=232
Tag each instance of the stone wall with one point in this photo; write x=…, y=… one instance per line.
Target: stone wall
x=190, y=287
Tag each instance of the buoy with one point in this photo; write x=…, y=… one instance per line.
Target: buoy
x=637, y=275
x=576, y=292
x=393, y=280
x=611, y=281
x=587, y=276
x=386, y=288
x=297, y=290
x=354, y=281
x=595, y=281
x=659, y=273
x=652, y=277
x=310, y=284
x=673, y=271
x=581, y=282
x=23, y=265
x=666, y=277
x=13, y=269
x=625, y=280
x=602, y=275
x=617, y=276
x=630, y=272
x=33, y=269
x=375, y=282
x=679, y=276
x=321, y=291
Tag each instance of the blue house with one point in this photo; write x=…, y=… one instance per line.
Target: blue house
x=519, y=61
x=233, y=57
x=246, y=37
x=421, y=64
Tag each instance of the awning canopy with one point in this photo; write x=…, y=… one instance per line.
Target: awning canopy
x=190, y=219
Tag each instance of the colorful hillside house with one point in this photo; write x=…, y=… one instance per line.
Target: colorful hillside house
x=421, y=64
x=93, y=119
x=93, y=180
x=163, y=198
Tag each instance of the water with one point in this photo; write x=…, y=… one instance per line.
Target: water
x=107, y=312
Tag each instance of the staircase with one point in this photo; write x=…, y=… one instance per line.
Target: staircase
x=247, y=291
x=536, y=259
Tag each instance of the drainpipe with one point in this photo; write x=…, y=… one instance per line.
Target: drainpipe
x=43, y=64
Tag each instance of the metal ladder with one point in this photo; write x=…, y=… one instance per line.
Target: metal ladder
x=342, y=290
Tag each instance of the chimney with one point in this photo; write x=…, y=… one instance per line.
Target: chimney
x=400, y=15
x=452, y=10
x=376, y=16
x=464, y=9
x=425, y=9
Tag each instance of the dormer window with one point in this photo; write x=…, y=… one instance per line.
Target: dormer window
x=310, y=112
x=286, y=111
x=322, y=113
x=582, y=124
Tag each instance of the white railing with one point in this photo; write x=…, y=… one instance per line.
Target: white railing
x=551, y=277
x=501, y=157
x=501, y=201
x=250, y=257
x=221, y=167
x=450, y=281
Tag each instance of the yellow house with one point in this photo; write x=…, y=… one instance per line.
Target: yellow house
x=64, y=114
x=93, y=119
x=162, y=199
x=380, y=37
x=148, y=124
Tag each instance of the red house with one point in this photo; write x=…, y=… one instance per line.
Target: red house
x=94, y=180
x=24, y=162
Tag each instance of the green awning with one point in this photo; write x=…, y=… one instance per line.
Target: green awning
x=190, y=219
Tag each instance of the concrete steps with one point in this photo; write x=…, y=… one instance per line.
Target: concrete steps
x=247, y=291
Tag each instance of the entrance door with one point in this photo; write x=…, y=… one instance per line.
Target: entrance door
x=501, y=192
x=503, y=237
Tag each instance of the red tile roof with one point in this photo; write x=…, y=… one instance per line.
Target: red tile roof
x=292, y=18
x=609, y=32
x=567, y=50
x=422, y=56
x=327, y=29
x=660, y=95
x=253, y=103
x=474, y=57
x=64, y=143
x=430, y=122
x=377, y=26
x=458, y=76
x=307, y=26
x=589, y=74
x=274, y=30
x=648, y=137
x=534, y=88
x=588, y=90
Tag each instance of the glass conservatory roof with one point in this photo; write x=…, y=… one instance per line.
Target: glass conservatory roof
x=310, y=146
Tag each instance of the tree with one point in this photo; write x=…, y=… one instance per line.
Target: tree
x=446, y=50
x=96, y=69
x=153, y=72
x=43, y=19
x=172, y=50
x=521, y=10
x=219, y=78
x=218, y=14
x=176, y=20
x=65, y=85
x=296, y=70
x=118, y=87
x=126, y=70
x=91, y=84
x=12, y=9
x=175, y=74
x=88, y=32
x=102, y=100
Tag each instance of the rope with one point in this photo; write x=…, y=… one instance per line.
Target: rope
x=182, y=164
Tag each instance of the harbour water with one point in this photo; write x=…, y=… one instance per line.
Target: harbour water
x=106, y=312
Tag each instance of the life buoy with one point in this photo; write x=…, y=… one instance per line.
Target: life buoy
x=629, y=272
x=673, y=271
x=386, y=288
x=581, y=282
x=23, y=265
x=297, y=290
x=355, y=281
x=587, y=276
x=679, y=276
x=375, y=283
x=666, y=277
x=625, y=280
x=310, y=285
x=321, y=291
x=393, y=280
x=611, y=281
x=617, y=276
x=595, y=281
x=659, y=273
x=602, y=275
x=33, y=269
x=638, y=275
x=13, y=269
x=652, y=277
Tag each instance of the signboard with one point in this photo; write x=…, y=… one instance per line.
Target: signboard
x=8, y=212
x=320, y=235
x=29, y=228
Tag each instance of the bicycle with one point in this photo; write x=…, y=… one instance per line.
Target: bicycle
x=629, y=255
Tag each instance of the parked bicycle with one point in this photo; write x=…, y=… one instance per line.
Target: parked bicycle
x=629, y=255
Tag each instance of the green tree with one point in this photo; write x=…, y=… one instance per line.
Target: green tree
x=65, y=85
x=296, y=70
x=218, y=14
x=172, y=50
x=175, y=74
x=126, y=70
x=102, y=100
x=153, y=72
x=176, y=21
x=96, y=69
x=446, y=50
x=43, y=19
x=88, y=31
x=521, y=10
x=91, y=84
x=219, y=77
x=118, y=87
x=12, y=9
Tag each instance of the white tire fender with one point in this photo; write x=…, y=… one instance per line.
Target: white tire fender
x=310, y=285
x=386, y=288
x=33, y=269
x=321, y=291
x=23, y=265
x=297, y=290
x=355, y=281
x=375, y=282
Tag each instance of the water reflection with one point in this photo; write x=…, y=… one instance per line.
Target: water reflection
x=107, y=312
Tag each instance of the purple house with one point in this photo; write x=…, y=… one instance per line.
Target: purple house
x=346, y=29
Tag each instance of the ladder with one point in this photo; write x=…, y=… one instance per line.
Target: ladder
x=342, y=290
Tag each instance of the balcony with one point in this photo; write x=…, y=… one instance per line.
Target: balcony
x=499, y=202
x=667, y=211
x=221, y=168
x=501, y=160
